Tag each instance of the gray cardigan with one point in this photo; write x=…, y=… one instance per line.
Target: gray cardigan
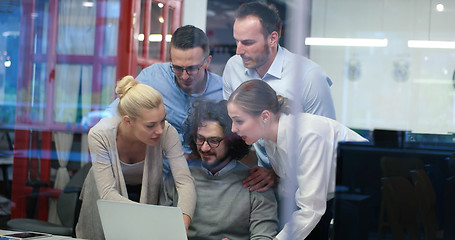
x=105, y=179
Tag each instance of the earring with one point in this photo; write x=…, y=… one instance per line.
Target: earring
x=265, y=121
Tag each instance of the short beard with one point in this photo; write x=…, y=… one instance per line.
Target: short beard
x=211, y=166
x=261, y=60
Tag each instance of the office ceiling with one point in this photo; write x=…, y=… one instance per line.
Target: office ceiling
x=220, y=18
x=221, y=12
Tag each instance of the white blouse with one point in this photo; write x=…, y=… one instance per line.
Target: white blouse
x=304, y=158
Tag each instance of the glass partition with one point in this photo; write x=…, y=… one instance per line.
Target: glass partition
x=405, y=78
x=169, y=33
x=58, y=71
x=156, y=27
x=59, y=63
x=392, y=67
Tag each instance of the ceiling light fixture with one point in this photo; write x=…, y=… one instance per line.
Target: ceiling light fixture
x=347, y=42
x=439, y=7
x=431, y=44
x=88, y=4
x=158, y=37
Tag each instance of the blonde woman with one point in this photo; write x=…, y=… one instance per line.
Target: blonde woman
x=127, y=152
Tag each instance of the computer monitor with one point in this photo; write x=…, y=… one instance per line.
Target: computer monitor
x=383, y=192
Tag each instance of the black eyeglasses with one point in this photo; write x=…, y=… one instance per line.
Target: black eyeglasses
x=190, y=70
x=213, y=142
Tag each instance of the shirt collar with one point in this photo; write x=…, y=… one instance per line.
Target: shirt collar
x=282, y=126
x=229, y=166
x=282, y=140
x=275, y=69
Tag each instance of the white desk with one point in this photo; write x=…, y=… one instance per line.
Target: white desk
x=53, y=237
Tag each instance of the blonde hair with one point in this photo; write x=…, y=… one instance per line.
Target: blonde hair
x=135, y=96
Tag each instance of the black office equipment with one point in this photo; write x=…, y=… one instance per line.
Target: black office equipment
x=394, y=191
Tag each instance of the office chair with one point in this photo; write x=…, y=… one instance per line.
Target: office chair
x=6, y=158
x=396, y=186
x=426, y=197
x=449, y=207
x=400, y=166
x=400, y=207
x=68, y=207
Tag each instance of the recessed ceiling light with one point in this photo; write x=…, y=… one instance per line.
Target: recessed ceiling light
x=440, y=7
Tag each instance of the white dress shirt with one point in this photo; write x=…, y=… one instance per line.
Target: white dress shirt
x=304, y=158
x=313, y=90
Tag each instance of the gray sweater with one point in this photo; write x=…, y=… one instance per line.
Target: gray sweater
x=224, y=209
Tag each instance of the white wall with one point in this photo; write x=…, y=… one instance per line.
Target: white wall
x=195, y=13
x=423, y=101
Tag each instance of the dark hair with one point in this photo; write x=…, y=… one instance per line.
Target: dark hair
x=209, y=110
x=268, y=16
x=255, y=96
x=188, y=36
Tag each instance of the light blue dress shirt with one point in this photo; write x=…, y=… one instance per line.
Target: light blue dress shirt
x=176, y=102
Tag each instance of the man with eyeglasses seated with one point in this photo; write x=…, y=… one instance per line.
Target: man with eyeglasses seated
x=183, y=79
x=224, y=209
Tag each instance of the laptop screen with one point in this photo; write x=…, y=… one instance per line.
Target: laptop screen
x=124, y=220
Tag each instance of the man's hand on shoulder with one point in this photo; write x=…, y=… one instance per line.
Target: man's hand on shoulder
x=260, y=179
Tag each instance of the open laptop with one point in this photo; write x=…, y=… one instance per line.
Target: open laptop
x=122, y=220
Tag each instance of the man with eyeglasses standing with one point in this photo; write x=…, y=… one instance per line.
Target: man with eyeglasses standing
x=186, y=76
x=183, y=79
x=224, y=209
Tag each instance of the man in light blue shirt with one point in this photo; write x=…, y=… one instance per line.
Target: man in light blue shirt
x=183, y=79
x=257, y=29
